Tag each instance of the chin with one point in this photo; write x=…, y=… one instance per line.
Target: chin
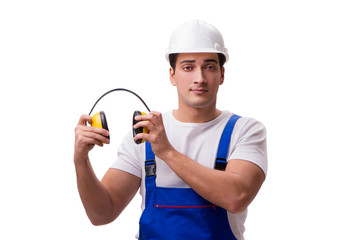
x=200, y=104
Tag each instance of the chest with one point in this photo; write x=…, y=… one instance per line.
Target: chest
x=198, y=143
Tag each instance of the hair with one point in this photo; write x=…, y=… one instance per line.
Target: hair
x=174, y=56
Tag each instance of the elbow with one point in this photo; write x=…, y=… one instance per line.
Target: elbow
x=236, y=207
x=238, y=204
x=95, y=223
x=98, y=220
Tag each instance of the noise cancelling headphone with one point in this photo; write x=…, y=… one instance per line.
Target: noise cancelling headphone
x=99, y=119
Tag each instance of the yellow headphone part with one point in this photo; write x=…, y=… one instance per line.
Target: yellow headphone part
x=99, y=120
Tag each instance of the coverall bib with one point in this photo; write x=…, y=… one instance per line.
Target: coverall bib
x=181, y=213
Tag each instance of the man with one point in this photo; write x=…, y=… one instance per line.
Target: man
x=196, y=179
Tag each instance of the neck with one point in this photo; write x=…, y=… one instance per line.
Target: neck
x=196, y=115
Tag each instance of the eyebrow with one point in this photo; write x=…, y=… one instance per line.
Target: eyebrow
x=192, y=61
x=187, y=61
x=211, y=60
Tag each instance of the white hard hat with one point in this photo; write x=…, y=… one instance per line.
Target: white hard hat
x=195, y=37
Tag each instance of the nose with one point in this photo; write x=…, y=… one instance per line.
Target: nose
x=200, y=78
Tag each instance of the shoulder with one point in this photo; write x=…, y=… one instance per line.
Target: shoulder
x=249, y=132
x=248, y=142
x=243, y=124
x=249, y=124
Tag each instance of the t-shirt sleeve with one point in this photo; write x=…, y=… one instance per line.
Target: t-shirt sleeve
x=249, y=143
x=128, y=156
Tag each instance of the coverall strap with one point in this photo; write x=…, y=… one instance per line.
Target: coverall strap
x=223, y=149
x=150, y=174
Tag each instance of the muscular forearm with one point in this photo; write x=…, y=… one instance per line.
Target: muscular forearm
x=223, y=188
x=94, y=196
x=232, y=189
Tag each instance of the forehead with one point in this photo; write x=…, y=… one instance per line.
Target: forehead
x=197, y=57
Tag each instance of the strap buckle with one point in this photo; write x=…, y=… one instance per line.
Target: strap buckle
x=150, y=168
x=220, y=164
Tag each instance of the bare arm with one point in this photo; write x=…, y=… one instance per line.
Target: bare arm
x=105, y=200
x=232, y=189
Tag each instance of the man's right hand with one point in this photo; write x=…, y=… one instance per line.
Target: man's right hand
x=86, y=137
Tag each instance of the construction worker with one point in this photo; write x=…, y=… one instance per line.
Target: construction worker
x=199, y=168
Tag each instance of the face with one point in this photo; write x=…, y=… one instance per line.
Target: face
x=197, y=78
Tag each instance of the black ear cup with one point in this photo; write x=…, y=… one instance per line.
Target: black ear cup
x=140, y=129
x=99, y=120
x=103, y=120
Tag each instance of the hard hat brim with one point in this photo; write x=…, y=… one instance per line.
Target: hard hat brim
x=226, y=55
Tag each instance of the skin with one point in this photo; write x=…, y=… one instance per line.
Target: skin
x=197, y=78
x=103, y=201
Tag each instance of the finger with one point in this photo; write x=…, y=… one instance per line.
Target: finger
x=87, y=141
x=97, y=130
x=101, y=131
x=84, y=118
x=146, y=124
x=92, y=141
x=153, y=117
x=156, y=117
x=97, y=137
x=142, y=117
x=142, y=136
x=148, y=117
x=88, y=138
x=93, y=133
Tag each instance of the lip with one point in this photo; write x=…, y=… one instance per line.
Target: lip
x=199, y=90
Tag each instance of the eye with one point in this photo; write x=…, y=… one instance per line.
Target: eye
x=210, y=67
x=187, y=68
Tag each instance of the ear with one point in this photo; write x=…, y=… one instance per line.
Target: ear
x=222, y=76
x=172, y=76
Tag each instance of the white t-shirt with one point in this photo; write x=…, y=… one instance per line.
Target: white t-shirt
x=198, y=141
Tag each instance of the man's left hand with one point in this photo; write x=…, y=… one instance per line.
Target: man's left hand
x=157, y=135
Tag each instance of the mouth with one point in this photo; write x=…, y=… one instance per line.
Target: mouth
x=199, y=90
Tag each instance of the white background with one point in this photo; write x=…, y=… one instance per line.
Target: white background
x=293, y=66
